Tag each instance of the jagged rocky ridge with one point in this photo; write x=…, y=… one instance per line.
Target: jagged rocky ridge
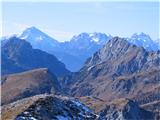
x=47, y=107
x=118, y=70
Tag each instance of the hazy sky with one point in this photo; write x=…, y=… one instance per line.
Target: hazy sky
x=63, y=20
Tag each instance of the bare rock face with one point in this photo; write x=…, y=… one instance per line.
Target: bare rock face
x=26, y=84
x=121, y=57
x=120, y=69
x=125, y=109
x=55, y=107
x=154, y=107
x=50, y=107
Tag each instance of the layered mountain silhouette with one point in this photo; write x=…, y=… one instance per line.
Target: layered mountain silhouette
x=18, y=55
x=118, y=80
x=73, y=53
x=26, y=84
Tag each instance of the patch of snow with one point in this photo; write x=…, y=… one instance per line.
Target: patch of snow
x=24, y=37
x=21, y=118
x=25, y=112
x=90, y=67
x=32, y=118
x=40, y=38
x=95, y=39
x=107, y=34
x=81, y=105
x=63, y=118
x=110, y=45
x=91, y=35
x=77, y=103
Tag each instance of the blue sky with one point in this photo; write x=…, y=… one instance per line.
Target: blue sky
x=63, y=20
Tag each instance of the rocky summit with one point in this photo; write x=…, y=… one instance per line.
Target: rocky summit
x=48, y=107
x=118, y=70
x=53, y=107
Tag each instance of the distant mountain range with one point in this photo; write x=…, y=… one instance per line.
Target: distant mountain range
x=144, y=40
x=74, y=53
x=18, y=56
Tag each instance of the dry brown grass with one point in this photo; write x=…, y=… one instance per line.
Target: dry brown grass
x=15, y=85
x=94, y=103
x=10, y=111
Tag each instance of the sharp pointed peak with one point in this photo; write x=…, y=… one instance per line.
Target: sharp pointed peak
x=32, y=28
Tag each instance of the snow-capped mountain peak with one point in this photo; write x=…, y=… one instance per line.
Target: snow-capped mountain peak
x=39, y=39
x=143, y=40
x=98, y=38
x=141, y=36
x=80, y=37
x=33, y=32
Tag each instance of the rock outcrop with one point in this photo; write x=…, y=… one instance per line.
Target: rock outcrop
x=125, y=109
x=120, y=69
x=48, y=107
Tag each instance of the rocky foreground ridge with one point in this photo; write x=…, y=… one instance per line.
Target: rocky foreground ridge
x=53, y=107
